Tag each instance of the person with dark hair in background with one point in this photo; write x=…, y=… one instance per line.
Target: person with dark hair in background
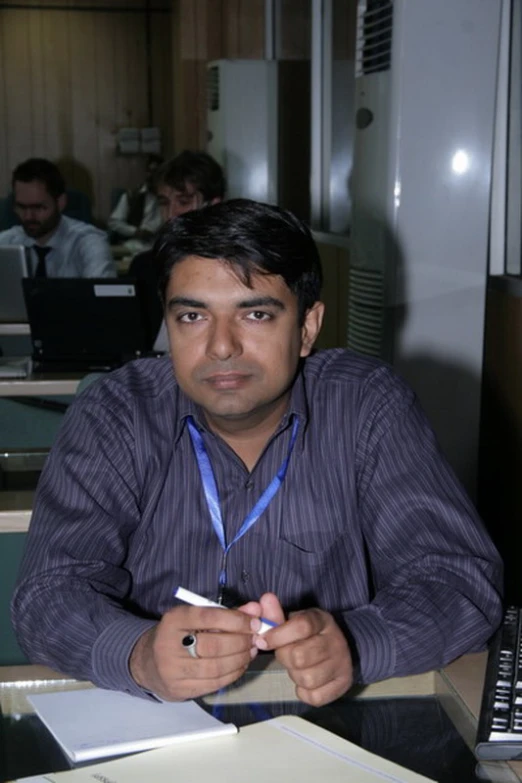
x=136, y=217
x=189, y=181
x=58, y=245
x=305, y=488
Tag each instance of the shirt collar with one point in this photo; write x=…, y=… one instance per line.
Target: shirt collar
x=58, y=235
x=297, y=406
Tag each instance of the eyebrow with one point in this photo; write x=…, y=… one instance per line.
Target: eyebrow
x=257, y=301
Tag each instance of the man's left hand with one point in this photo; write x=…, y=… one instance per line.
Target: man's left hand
x=312, y=648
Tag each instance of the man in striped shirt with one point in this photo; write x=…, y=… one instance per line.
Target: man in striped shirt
x=305, y=488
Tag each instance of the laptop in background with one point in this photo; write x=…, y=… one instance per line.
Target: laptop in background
x=83, y=324
x=13, y=268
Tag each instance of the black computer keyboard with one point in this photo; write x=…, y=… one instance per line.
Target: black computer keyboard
x=499, y=734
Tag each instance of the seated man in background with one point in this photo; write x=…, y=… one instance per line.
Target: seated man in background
x=58, y=245
x=307, y=488
x=136, y=218
x=189, y=181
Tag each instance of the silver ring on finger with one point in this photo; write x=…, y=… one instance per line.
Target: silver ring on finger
x=189, y=642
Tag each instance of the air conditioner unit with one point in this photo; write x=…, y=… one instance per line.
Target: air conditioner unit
x=258, y=120
x=426, y=85
x=242, y=122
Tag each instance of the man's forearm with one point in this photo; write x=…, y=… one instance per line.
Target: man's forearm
x=419, y=626
x=77, y=632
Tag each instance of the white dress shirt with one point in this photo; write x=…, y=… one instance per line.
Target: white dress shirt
x=77, y=249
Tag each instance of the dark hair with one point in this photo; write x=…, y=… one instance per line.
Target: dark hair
x=250, y=236
x=42, y=170
x=195, y=168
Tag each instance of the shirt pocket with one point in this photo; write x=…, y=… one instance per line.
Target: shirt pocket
x=309, y=548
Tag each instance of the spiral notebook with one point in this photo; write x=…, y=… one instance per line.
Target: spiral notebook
x=94, y=723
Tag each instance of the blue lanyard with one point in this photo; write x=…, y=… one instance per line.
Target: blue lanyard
x=212, y=495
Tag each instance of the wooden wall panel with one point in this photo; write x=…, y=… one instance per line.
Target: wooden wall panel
x=205, y=30
x=161, y=81
x=215, y=43
x=55, y=64
x=71, y=78
x=87, y=5
x=328, y=337
x=81, y=167
x=15, y=55
x=4, y=169
x=36, y=113
x=296, y=26
x=335, y=261
x=251, y=29
x=231, y=43
x=186, y=99
x=106, y=104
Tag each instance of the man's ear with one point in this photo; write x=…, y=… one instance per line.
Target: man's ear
x=61, y=202
x=311, y=327
x=216, y=200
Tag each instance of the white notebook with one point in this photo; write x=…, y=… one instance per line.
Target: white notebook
x=276, y=751
x=94, y=723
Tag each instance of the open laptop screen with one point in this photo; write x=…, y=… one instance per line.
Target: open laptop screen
x=13, y=268
x=87, y=323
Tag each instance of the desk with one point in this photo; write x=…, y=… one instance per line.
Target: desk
x=14, y=330
x=15, y=506
x=426, y=722
x=15, y=510
x=40, y=385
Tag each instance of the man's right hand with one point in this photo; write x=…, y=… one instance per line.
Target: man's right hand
x=160, y=664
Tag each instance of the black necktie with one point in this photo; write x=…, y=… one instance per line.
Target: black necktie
x=41, y=252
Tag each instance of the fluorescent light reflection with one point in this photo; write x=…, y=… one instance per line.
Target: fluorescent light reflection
x=397, y=194
x=460, y=162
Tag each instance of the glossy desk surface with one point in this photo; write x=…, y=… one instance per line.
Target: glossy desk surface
x=426, y=722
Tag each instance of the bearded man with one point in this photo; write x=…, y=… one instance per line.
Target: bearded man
x=58, y=246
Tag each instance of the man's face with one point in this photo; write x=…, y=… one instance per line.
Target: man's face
x=38, y=211
x=235, y=349
x=174, y=202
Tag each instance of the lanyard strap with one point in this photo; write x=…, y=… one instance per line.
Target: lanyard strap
x=212, y=495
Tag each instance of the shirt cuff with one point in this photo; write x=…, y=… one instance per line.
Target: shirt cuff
x=111, y=655
x=375, y=646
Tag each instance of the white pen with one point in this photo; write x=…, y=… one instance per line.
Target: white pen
x=198, y=600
